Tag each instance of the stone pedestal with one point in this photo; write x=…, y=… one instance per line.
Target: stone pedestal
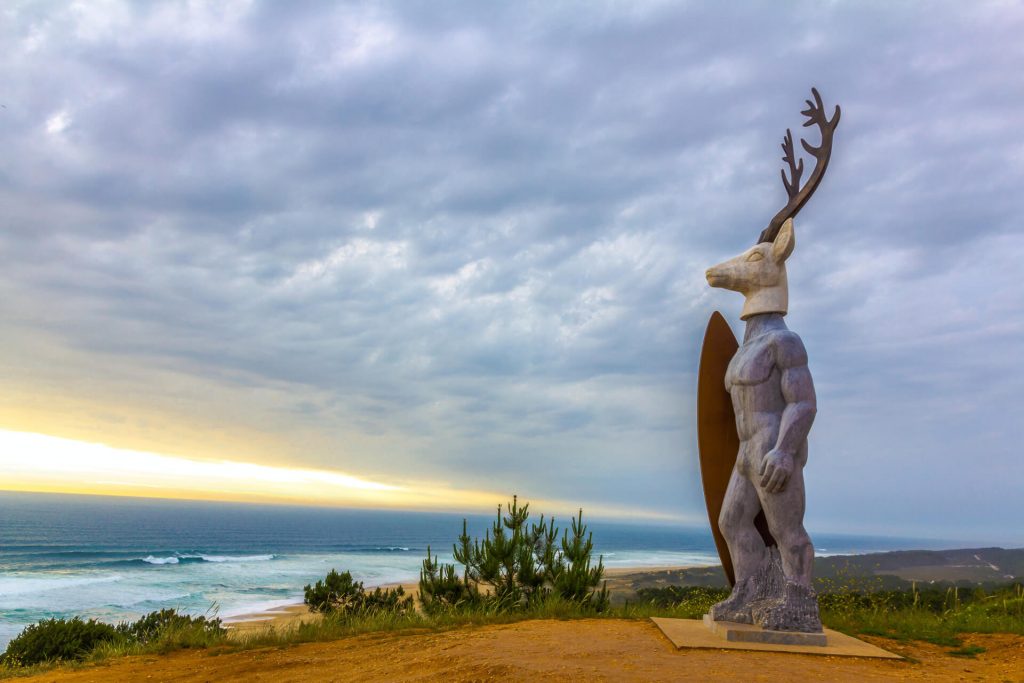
x=687, y=633
x=749, y=633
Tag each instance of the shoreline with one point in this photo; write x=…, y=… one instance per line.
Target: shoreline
x=291, y=614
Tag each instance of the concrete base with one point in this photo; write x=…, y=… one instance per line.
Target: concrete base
x=693, y=633
x=748, y=633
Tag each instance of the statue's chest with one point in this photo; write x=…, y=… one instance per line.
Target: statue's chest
x=752, y=364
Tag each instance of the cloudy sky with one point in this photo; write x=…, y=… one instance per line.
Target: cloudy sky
x=459, y=247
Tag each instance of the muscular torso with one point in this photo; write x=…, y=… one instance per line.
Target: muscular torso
x=754, y=381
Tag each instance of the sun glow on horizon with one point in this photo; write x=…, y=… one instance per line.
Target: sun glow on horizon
x=39, y=462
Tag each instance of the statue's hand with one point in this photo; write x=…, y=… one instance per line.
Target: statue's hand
x=776, y=468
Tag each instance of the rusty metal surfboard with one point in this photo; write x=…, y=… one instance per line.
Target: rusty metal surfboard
x=717, y=441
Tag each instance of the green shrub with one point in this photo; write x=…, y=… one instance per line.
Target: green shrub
x=52, y=640
x=441, y=590
x=515, y=566
x=167, y=624
x=387, y=601
x=340, y=594
x=688, y=601
x=337, y=592
x=937, y=616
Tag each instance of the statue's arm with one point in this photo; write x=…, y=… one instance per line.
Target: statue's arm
x=801, y=403
x=797, y=417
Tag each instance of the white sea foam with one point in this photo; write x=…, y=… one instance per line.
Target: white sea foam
x=176, y=559
x=233, y=558
x=658, y=558
x=21, y=585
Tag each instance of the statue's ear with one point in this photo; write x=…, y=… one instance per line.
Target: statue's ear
x=784, y=242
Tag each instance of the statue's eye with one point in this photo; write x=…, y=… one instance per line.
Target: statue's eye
x=756, y=256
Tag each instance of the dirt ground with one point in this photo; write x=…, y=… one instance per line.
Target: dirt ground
x=586, y=650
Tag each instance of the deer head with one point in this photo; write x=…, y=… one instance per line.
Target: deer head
x=759, y=273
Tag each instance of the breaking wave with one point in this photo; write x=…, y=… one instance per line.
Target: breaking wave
x=186, y=559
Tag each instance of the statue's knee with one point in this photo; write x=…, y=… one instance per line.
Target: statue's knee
x=728, y=523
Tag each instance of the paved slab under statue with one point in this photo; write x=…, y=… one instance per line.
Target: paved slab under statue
x=750, y=633
x=693, y=633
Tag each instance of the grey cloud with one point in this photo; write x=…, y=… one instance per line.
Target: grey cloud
x=482, y=229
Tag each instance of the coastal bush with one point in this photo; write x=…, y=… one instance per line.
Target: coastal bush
x=936, y=616
x=516, y=565
x=688, y=602
x=339, y=594
x=172, y=630
x=334, y=592
x=54, y=640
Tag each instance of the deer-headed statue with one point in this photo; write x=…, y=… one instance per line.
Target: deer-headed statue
x=773, y=399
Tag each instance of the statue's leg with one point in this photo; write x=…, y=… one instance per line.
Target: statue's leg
x=795, y=607
x=747, y=550
x=784, y=512
x=736, y=521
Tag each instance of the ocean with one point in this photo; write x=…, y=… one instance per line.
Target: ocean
x=119, y=558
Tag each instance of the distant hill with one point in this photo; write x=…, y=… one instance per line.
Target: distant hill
x=975, y=566
x=967, y=567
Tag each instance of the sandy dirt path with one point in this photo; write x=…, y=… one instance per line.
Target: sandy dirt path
x=585, y=650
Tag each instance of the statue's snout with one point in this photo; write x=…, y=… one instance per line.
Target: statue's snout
x=716, y=276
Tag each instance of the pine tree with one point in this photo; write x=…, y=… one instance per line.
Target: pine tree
x=517, y=564
x=579, y=580
x=441, y=589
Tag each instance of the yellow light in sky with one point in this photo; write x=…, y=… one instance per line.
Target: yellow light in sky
x=38, y=462
x=43, y=463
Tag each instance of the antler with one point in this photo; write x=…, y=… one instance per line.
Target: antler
x=798, y=196
x=796, y=166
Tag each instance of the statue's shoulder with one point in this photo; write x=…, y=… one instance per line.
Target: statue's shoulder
x=788, y=347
